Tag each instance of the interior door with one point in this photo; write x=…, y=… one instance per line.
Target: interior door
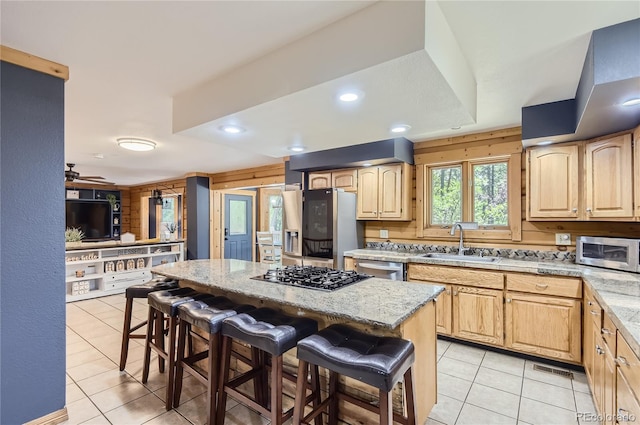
x=238, y=227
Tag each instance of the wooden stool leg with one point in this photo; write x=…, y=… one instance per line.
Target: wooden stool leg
x=126, y=330
x=301, y=393
x=159, y=338
x=333, y=393
x=222, y=380
x=410, y=396
x=386, y=408
x=147, y=345
x=171, y=351
x=315, y=387
x=276, y=390
x=259, y=382
x=182, y=336
x=212, y=377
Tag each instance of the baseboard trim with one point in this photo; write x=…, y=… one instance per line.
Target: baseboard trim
x=52, y=418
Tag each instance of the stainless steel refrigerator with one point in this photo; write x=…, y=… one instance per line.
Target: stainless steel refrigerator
x=319, y=226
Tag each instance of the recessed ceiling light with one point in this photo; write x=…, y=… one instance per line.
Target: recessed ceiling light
x=296, y=148
x=400, y=128
x=135, y=144
x=232, y=129
x=632, y=102
x=545, y=142
x=349, y=97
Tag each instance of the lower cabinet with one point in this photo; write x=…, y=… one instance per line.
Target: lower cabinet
x=477, y=314
x=443, y=311
x=628, y=410
x=544, y=326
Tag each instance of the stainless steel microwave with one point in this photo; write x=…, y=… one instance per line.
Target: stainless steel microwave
x=611, y=253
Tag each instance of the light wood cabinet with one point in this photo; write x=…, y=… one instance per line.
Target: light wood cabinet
x=477, y=314
x=628, y=407
x=609, y=178
x=349, y=263
x=636, y=170
x=592, y=322
x=384, y=192
x=627, y=383
x=443, y=311
x=592, y=180
x=340, y=179
x=553, y=182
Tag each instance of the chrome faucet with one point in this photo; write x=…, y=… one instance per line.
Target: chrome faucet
x=461, y=226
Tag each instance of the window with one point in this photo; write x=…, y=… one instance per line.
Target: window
x=454, y=185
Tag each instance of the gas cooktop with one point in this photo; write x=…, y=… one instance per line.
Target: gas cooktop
x=319, y=278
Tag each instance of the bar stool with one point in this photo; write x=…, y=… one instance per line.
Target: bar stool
x=206, y=314
x=268, y=332
x=161, y=304
x=374, y=360
x=140, y=291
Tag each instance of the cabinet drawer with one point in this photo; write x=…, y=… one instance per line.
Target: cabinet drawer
x=608, y=332
x=458, y=275
x=593, y=310
x=628, y=410
x=629, y=365
x=545, y=285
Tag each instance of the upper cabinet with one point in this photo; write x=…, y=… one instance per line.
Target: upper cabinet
x=583, y=181
x=341, y=179
x=384, y=192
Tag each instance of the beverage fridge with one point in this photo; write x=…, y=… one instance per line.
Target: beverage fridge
x=319, y=226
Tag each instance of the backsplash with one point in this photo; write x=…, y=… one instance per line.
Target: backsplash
x=514, y=254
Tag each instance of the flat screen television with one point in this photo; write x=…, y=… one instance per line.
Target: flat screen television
x=92, y=217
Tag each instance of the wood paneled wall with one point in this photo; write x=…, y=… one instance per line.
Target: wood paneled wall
x=535, y=235
x=125, y=200
x=249, y=177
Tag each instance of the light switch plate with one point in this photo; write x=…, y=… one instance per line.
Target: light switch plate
x=384, y=234
x=563, y=238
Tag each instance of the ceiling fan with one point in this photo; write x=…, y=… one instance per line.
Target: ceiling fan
x=71, y=175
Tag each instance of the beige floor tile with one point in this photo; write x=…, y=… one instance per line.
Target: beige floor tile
x=504, y=363
x=83, y=357
x=550, y=394
x=119, y=395
x=112, y=312
x=465, y=353
x=98, y=420
x=241, y=415
x=73, y=393
x=81, y=411
x=191, y=388
x=73, y=338
x=195, y=410
x=584, y=405
x=137, y=411
x=156, y=379
x=538, y=413
x=169, y=418
x=546, y=377
x=473, y=415
x=499, y=380
x=433, y=422
x=453, y=387
x=105, y=380
x=90, y=369
x=442, y=346
x=68, y=379
x=446, y=410
x=457, y=368
x=78, y=346
x=497, y=401
x=94, y=329
x=580, y=383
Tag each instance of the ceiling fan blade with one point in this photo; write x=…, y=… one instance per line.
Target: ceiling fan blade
x=93, y=180
x=91, y=177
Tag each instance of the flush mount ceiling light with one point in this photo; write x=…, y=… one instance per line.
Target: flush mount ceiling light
x=632, y=102
x=400, y=128
x=134, y=144
x=296, y=148
x=232, y=129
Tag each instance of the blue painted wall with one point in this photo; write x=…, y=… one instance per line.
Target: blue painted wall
x=32, y=288
x=198, y=207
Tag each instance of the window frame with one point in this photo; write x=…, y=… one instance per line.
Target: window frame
x=467, y=158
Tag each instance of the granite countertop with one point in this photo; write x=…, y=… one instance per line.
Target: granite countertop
x=617, y=292
x=374, y=301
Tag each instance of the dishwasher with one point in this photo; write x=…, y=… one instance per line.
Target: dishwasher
x=382, y=269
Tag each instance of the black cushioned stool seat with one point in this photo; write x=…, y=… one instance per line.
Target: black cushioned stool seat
x=206, y=314
x=140, y=291
x=375, y=360
x=161, y=304
x=269, y=332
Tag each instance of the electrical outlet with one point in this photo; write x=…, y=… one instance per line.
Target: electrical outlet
x=563, y=239
x=384, y=234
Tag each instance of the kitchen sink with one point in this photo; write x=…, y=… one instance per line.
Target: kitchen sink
x=473, y=258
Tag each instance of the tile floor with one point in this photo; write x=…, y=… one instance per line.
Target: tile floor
x=475, y=386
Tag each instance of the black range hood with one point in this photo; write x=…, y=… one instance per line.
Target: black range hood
x=374, y=153
x=610, y=76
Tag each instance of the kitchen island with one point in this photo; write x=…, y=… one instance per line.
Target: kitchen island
x=377, y=306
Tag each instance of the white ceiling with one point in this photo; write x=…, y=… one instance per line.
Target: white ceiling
x=174, y=71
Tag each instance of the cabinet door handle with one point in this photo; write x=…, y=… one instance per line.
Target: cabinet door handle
x=589, y=302
x=599, y=350
x=574, y=210
x=589, y=210
x=455, y=292
x=448, y=291
x=594, y=313
x=606, y=331
x=622, y=361
x=542, y=285
x=508, y=300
